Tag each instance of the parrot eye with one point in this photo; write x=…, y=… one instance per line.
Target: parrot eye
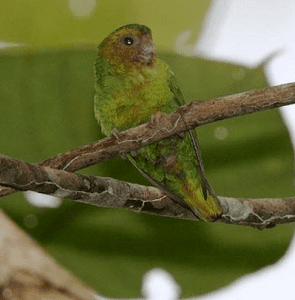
x=128, y=40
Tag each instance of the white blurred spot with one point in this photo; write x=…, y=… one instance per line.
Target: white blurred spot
x=42, y=200
x=82, y=8
x=159, y=284
x=7, y=45
x=181, y=43
x=221, y=133
x=30, y=221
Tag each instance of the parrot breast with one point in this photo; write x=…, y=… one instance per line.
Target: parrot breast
x=125, y=99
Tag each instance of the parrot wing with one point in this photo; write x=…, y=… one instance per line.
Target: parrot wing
x=173, y=196
x=179, y=100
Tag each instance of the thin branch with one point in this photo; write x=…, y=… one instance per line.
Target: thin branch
x=103, y=191
x=194, y=113
x=99, y=191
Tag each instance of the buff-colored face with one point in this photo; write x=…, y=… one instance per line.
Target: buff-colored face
x=128, y=45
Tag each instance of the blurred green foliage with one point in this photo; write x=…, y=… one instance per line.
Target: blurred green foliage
x=55, y=23
x=46, y=93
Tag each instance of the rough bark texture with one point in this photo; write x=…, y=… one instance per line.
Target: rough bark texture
x=109, y=192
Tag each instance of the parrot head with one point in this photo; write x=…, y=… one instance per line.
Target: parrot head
x=130, y=44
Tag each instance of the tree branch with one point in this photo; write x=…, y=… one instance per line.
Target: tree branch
x=16, y=175
x=108, y=192
x=194, y=113
x=28, y=272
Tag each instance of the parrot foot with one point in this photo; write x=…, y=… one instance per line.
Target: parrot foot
x=181, y=134
x=162, y=122
x=123, y=155
x=115, y=133
x=134, y=153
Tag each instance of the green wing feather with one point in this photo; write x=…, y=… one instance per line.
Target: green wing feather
x=168, y=164
x=179, y=99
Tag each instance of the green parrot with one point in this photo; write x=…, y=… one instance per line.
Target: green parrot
x=131, y=84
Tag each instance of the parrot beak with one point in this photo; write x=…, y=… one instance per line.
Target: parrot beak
x=149, y=49
x=147, y=53
x=146, y=50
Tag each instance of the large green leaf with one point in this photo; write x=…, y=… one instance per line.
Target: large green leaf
x=47, y=108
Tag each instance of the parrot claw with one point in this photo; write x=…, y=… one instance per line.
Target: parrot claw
x=123, y=155
x=134, y=153
x=162, y=122
x=115, y=133
x=181, y=134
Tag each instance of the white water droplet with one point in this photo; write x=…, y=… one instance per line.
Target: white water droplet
x=221, y=133
x=30, y=221
x=82, y=8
